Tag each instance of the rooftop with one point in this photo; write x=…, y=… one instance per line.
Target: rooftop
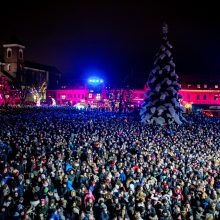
x=51, y=69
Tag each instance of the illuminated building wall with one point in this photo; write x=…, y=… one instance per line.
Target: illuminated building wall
x=68, y=96
x=193, y=96
x=199, y=96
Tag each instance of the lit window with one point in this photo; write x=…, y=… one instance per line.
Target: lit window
x=63, y=96
x=189, y=85
x=216, y=97
x=9, y=67
x=216, y=86
x=198, y=97
x=98, y=97
x=205, y=86
x=9, y=52
x=198, y=86
x=20, y=53
x=204, y=97
x=90, y=95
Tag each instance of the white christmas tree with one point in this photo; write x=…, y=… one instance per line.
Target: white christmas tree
x=161, y=105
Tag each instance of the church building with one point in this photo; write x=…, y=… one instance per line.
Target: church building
x=19, y=71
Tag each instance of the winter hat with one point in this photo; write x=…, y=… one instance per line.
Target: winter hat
x=16, y=214
x=46, y=190
x=76, y=210
x=37, y=189
x=103, y=206
x=73, y=193
x=41, y=170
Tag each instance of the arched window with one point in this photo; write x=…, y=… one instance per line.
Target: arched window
x=204, y=96
x=20, y=53
x=9, y=67
x=9, y=52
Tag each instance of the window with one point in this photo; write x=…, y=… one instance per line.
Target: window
x=74, y=95
x=204, y=97
x=90, y=95
x=9, y=52
x=198, y=86
x=216, y=86
x=9, y=67
x=188, y=96
x=198, y=97
x=205, y=86
x=189, y=86
x=20, y=53
x=78, y=95
x=216, y=97
x=69, y=96
x=63, y=96
x=98, y=97
x=82, y=96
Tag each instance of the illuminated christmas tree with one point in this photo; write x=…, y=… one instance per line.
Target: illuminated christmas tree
x=161, y=105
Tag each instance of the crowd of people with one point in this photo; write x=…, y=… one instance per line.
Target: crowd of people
x=63, y=164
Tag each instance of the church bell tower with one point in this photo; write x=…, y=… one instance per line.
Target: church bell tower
x=13, y=53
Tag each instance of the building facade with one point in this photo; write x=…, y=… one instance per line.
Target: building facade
x=23, y=73
x=207, y=95
x=15, y=67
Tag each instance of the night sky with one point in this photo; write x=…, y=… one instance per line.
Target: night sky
x=114, y=39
